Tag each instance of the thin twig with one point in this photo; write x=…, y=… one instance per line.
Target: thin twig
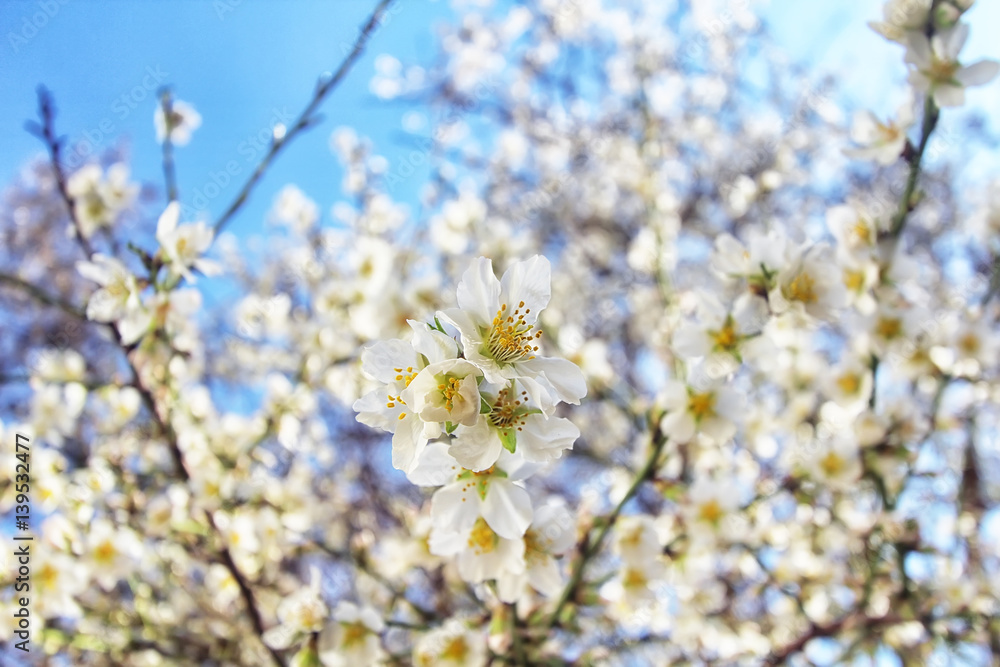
x=589, y=547
x=47, y=133
x=41, y=295
x=306, y=118
x=169, y=176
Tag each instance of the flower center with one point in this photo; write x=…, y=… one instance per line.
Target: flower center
x=534, y=547
x=832, y=464
x=354, y=633
x=861, y=231
x=802, y=289
x=725, y=338
x=456, y=650
x=969, y=344
x=854, y=280
x=508, y=413
x=482, y=539
x=701, y=405
x=849, y=383
x=309, y=618
x=888, y=132
x=104, y=553
x=48, y=576
x=942, y=71
x=634, y=579
x=450, y=390
x=710, y=512
x=511, y=337
x=889, y=327
x=95, y=207
x=407, y=377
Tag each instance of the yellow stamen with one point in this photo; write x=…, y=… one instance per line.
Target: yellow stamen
x=803, y=289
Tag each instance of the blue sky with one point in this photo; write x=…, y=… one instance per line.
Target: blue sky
x=246, y=64
x=243, y=66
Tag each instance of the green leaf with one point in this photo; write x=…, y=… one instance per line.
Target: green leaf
x=450, y=428
x=509, y=439
x=484, y=407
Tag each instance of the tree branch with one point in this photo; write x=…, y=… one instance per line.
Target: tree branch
x=590, y=548
x=306, y=118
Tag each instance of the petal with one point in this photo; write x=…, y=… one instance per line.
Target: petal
x=674, y=395
x=528, y=281
x=516, y=466
x=434, y=467
x=953, y=39
x=542, y=439
x=544, y=576
x=540, y=394
x=168, y=221
x=380, y=360
x=455, y=507
x=372, y=411
x=407, y=443
x=554, y=527
x=750, y=313
x=346, y=612
x=863, y=127
x=466, y=403
x=678, y=426
x=565, y=377
x=718, y=429
x=918, y=49
x=479, y=291
x=690, y=341
x=104, y=307
x=101, y=270
x=510, y=587
x=434, y=345
x=476, y=448
x=979, y=73
x=134, y=325
x=949, y=96
x=507, y=508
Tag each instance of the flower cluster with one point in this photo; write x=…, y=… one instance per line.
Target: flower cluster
x=486, y=396
x=777, y=368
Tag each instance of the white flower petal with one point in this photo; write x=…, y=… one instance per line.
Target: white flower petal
x=380, y=360
x=527, y=281
x=168, y=222
x=978, y=73
x=434, y=345
x=563, y=375
x=946, y=95
x=679, y=426
x=456, y=507
x=479, y=291
x=544, y=576
x=477, y=447
x=407, y=443
x=543, y=439
x=507, y=508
